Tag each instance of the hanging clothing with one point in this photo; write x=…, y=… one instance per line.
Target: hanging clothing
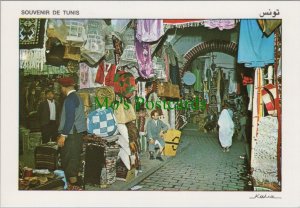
x=148, y=30
x=84, y=76
x=255, y=49
x=226, y=129
x=209, y=77
x=174, y=73
x=108, y=79
x=220, y=24
x=197, y=68
x=167, y=67
x=143, y=55
x=92, y=77
x=232, y=83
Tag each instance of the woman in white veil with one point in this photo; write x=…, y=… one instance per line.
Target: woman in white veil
x=226, y=129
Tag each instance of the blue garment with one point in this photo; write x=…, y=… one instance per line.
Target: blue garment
x=255, y=49
x=72, y=115
x=102, y=122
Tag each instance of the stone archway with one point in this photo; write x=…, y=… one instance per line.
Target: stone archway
x=227, y=47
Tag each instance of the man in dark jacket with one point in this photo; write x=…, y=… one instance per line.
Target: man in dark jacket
x=48, y=117
x=72, y=128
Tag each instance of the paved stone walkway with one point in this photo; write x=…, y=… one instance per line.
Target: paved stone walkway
x=202, y=166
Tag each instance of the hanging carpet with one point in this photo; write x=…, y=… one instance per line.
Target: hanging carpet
x=31, y=33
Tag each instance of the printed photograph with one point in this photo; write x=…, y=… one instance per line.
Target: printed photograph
x=150, y=104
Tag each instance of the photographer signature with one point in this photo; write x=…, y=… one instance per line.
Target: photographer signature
x=264, y=196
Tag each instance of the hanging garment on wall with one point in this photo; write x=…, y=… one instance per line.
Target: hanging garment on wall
x=174, y=73
x=232, y=83
x=209, y=77
x=76, y=34
x=167, y=64
x=94, y=48
x=31, y=33
x=197, y=70
x=159, y=68
x=57, y=28
x=143, y=55
x=32, y=60
x=170, y=54
x=269, y=97
x=254, y=49
x=84, y=76
x=119, y=25
x=220, y=24
x=92, y=76
x=148, y=30
x=106, y=73
x=269, y=25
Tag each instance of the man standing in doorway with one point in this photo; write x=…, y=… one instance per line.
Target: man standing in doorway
x=48, y=117
x=155, y=130
x=72, y=127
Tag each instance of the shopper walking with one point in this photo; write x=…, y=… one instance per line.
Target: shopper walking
x=226, y=128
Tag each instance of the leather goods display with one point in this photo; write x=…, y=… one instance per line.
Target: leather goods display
x=103, y=93
x=102, y=122
x=46, y=157
x=124, y=115
x=166, y=89
x=172, y=139
x=72, y=53
x=55, y=52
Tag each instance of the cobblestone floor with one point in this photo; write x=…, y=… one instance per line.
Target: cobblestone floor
x=202, y=166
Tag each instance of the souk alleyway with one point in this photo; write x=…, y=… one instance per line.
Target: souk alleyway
x=201, y=165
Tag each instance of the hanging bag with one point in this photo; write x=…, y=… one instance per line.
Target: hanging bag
x=123, y=115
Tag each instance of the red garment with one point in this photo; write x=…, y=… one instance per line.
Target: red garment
x=124, y=83
x=108, y=80
x=247, y=80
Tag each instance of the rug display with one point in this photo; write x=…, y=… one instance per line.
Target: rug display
x=31, y=33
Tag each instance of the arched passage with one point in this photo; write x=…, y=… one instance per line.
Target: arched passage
x=227, y=47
